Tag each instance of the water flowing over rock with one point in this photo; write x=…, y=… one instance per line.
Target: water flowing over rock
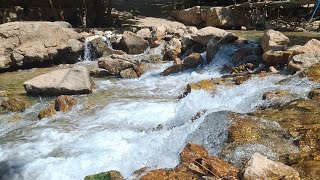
x=203, y=35
x=307, y=55
x=74, y=80
x=260, y=167
x=213, y=45
x=133, y=44
x=100, y=47
x=24, y=44
x=274, y=40
x=251, y=54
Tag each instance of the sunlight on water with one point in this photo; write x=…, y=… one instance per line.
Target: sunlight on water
x=128, y=134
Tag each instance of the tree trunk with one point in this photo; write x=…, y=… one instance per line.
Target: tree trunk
x=109, y=15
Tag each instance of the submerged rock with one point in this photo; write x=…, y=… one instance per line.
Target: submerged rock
x=62, y=104
x=15, y=104
x=48, y=111
x=133, y=44
x=24, y=44
x=74, y=80
x=260, y=167
x=274, y=40
x=109, y=175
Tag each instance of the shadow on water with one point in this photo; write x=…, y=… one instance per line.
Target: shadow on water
x=10, y=170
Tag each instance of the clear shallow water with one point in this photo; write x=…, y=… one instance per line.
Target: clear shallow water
x=128, y=133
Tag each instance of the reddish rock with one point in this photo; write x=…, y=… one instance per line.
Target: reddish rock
x=64, y=103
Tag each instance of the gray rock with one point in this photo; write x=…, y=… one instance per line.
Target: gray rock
x=132, y=43
x=70, y=81
x=114, y=66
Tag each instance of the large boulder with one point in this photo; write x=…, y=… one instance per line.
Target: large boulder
x=260, y=167
x=202, y=36
x=25, y=44
x=226, y=17
x=132, y=43
x=306, y=55
x=189, y=16
x=274, y=40
x=69, y=81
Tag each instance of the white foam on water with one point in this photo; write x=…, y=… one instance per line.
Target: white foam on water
x=128, y=134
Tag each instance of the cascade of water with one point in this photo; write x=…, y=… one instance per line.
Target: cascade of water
x=143, y=125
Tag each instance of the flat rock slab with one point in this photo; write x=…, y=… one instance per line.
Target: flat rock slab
x=70, y=81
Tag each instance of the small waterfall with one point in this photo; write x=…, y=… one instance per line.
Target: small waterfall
x=88, y=53
x=89, y=50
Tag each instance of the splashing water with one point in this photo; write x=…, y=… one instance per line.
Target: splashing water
x=144, y=124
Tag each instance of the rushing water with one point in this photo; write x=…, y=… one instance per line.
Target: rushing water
x=144, y=124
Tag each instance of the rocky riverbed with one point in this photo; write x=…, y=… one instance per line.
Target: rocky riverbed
x=165, y=102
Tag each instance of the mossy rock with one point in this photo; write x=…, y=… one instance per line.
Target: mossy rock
x=110, y=175
x=301, y=118
x=243, y=131
x=15, y=104
x=312, y=73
